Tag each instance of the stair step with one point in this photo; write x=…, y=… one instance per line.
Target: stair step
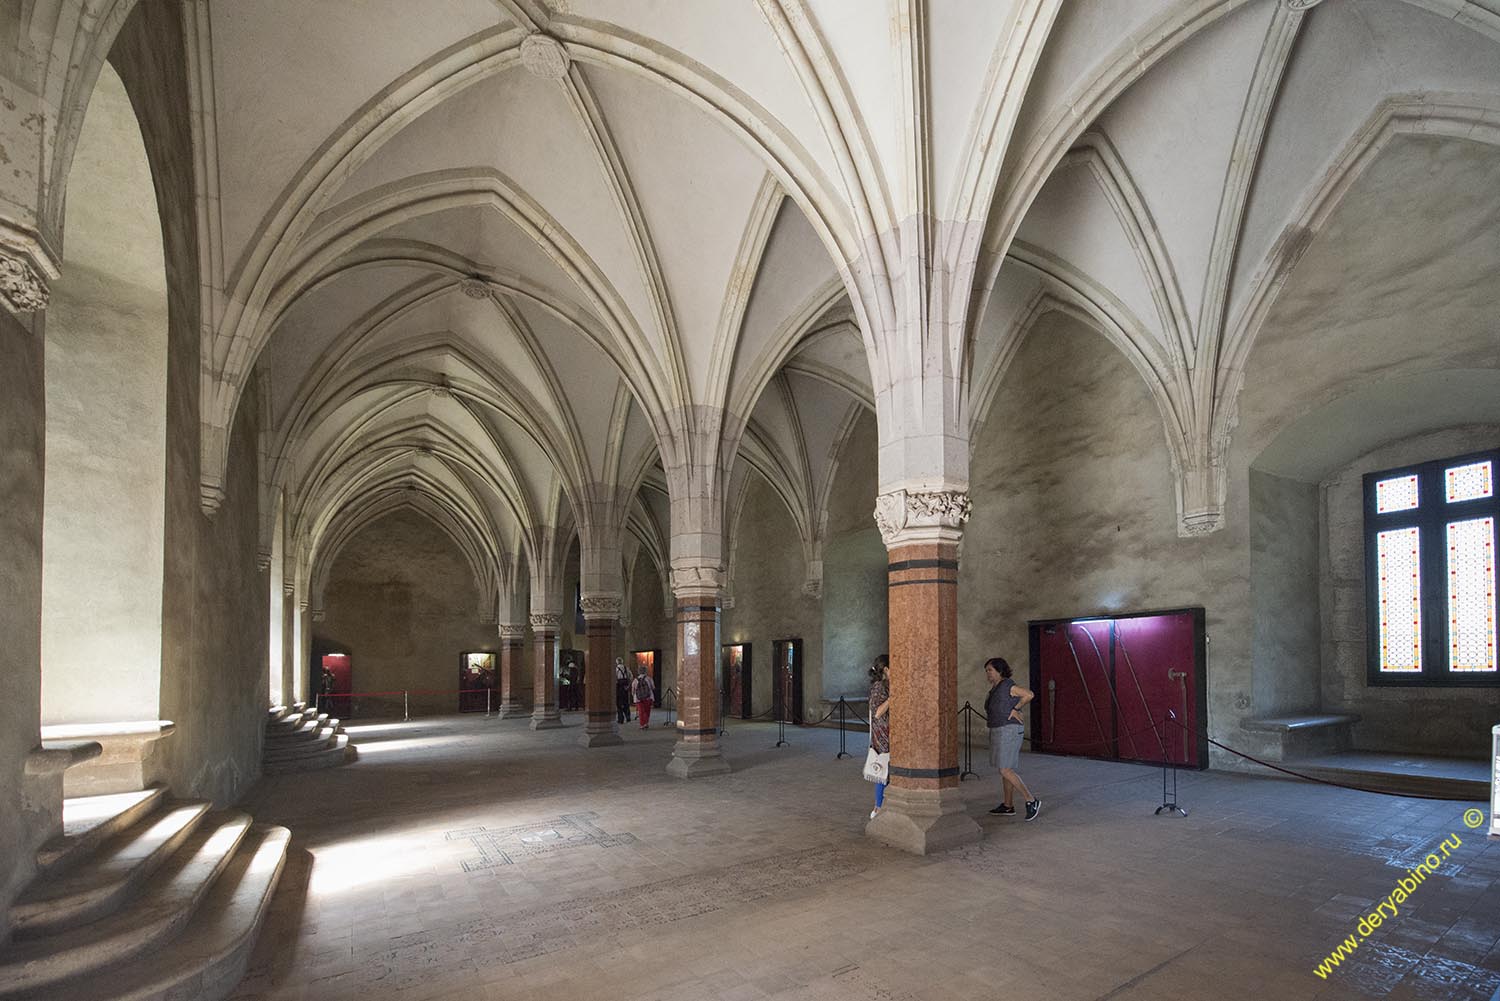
x=297, y=737
x=148, y=922
x=98, y=886
x=208, y=960
x=340, y=752
x=89, y=820
x=301, y=748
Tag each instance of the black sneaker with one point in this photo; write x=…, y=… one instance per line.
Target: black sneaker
x=1004, y=811
x=1033, y=807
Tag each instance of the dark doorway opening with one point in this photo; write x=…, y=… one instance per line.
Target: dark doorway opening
x=786, y=679
x=739, y=692
x=334, y=684
x=476, y=681
x=570, y=694
x=1109, y=687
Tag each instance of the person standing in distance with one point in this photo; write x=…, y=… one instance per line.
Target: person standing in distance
x=645, y=694
x=1002, y=710
x=880, y=718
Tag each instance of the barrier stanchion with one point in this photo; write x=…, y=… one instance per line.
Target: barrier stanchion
x=781, y=740
x=489, y=702
x=968, y=712
x=406, y=707
x=843, y=718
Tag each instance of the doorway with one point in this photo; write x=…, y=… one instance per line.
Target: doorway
x=738, y=690
x=335, y=684
x=786, y=679
x=476, y=681
x=1115, y=688
x=650, y=662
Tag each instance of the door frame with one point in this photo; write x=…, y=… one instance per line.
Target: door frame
x=777, y=647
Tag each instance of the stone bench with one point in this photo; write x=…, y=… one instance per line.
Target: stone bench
x=125, y=761
x=1300, y=734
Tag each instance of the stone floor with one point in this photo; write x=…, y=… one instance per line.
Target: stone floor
x=471, y=858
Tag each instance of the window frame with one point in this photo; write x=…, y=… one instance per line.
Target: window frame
x=1431, y=517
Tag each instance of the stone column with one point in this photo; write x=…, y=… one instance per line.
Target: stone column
x=288, y=644
x=697, y=591
x=512, y=649
x=601, y=611
x=544, y=713
x=923, y=810
x=30, y=807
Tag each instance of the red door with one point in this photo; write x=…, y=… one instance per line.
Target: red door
x=1105, y=688
x=1154, y=660
x=1077, y=713
x=336, y=684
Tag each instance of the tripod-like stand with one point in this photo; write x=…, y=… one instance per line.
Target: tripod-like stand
x=1169, y=800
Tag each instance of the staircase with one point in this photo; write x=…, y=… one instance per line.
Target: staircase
x=301, y=739
x=142, y=898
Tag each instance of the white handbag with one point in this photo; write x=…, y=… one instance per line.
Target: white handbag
x=877, y=766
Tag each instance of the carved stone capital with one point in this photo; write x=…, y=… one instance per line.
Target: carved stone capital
x=288, y=590
x=697, y=580
x=601, y=606
x=22, y=290
x=544, y=56
x=318, y=615
x=512, y=631
x=262, y=560
x=813, y=587
x=905, y=517
x=302, y=605
x=545, y=620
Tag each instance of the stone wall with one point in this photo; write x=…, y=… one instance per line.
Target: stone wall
x=650, y=623
x=854, y=574
x=1074, y=516
x=1285, y=640
x=401, y=601
x=1452, y=721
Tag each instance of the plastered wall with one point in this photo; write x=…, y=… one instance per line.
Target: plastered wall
x=401, y=601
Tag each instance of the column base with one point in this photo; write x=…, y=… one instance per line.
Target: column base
x=511, y=709
x=696, y=759
x=923, y=821
x=546, y=719
x=600, y=734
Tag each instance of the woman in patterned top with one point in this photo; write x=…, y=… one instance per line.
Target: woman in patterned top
x=880, y=717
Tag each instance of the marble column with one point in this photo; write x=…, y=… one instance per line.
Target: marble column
x=697, y=752
x=923, y=810
x=544, y=713
x=601, y=613
x=512, y=649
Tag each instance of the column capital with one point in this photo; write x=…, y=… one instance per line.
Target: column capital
x=318, y=615
x=598, y=607
x=512, y=631
x=696, y=580
x=907, y=517
x=547, y=621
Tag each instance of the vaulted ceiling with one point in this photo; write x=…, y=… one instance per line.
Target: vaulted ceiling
x=478, y=257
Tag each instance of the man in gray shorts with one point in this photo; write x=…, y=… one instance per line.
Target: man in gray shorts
x=1002, y=713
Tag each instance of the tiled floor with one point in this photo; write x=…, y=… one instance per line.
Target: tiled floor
x=471, y=858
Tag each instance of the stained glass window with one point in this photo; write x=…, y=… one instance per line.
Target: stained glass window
x=1471, y=594
x=1432, y=572
x=1470, y=482
x=1399, y=493
x=1399, y=565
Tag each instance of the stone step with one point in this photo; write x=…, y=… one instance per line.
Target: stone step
x=100, y=885
x=305, y=735
x=300, y=749
x=340, y=752
x=148, y=922
x=90, y=820
x=208, y=959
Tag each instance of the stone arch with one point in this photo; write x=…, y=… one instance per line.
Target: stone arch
x=105, y=495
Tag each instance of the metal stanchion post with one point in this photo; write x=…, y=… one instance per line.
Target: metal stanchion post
x=967, y=712
x=843, y=716
x=489, y=702
x=1169, y=802
x=781, y=730
x=406, y=706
